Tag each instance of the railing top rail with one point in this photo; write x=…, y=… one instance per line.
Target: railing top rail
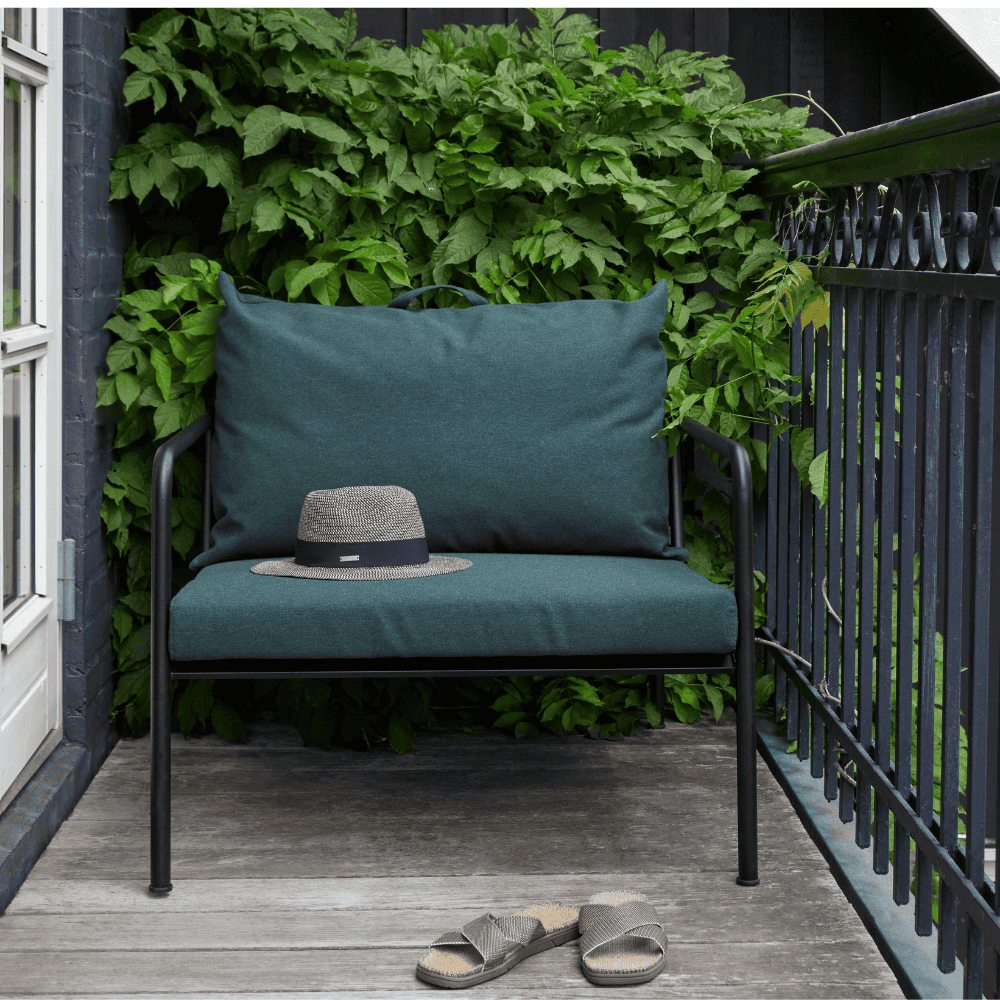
x=962, y=135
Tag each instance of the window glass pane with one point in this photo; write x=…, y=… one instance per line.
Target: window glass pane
x=21, y=24
x=11, y=204
x=18, y=484
x=12, y=22
x=18, y=203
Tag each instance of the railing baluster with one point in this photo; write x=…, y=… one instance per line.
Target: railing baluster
x=834, y=527
x=781, y=460
x=771, y=552
x=794, y=528
x=866, y=611
x=978, y=717
x=852, y=438
x=947, y=907
x=886, y=526
x=928, y=606
x=807, y=589
x=904, y=622
x=820, y=417
x=994, y=697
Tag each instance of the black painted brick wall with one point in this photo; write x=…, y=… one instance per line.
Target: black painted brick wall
x=95, y=237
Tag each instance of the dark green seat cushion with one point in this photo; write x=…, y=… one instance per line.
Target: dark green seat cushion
x=503, y=605
x=519, y=428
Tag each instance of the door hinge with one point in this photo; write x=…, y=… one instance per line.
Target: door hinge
x=66, y=580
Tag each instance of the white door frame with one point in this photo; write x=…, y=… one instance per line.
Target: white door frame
x=31, y=653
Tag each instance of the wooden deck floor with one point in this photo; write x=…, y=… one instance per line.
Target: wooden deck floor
x=301, y=871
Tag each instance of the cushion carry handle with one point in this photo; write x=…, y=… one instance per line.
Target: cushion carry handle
x=403, y=301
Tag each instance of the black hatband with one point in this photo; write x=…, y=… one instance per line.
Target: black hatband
x=349, y=555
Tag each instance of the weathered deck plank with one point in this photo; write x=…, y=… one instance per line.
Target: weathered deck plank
x=300, y=871
x=315, y=914
x=355, y=971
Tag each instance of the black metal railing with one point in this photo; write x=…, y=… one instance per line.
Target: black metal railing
x=882, y=588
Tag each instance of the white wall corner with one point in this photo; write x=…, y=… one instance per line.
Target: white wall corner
x=978, y=29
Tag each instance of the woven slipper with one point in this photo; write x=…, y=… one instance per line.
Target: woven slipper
x=488, y=946
x=623, y=940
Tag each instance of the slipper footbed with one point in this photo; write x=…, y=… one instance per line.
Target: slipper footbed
x=627, y=953
x=461, y=960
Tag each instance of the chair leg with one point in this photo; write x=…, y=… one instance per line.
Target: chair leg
x=159, y=799
x=657, y=680
x=746, y=764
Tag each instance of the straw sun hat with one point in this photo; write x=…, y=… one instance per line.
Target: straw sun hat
x=361, y=533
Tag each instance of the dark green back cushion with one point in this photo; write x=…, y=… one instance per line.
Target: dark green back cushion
x=519, y=428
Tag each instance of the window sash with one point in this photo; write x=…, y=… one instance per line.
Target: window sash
x=29, y=60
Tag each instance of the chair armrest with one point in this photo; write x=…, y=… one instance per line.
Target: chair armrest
x=162, y=509
x=739, y=462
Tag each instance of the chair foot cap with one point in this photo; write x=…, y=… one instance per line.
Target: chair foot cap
x=161, y=890
x=748, y=881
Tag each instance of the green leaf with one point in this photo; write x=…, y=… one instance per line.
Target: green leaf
x=120, y=355
x=587, y=228
x=652, y=715
x=711, y=173
x=137, y=601
x=423, y=164
x=268, y=214
x=307, y=275
x=506, y=702
x=263, y=129
x=684, y=711
x=395, y=161
x=556, y=708
x=714, y=695
x=144, y=300
x=467, y=237
x=325, y=129
x=732, y=394
x=509, y=719
x=484, y=144
x=819, y=477
x=750, y=203
x=368, y=289
x=107, y=393
x=499, y=44
x=137, y=87
x=162, y=368
x=802, y=444
x=122, y=622
x=400, y=734
x=195, y=705
x=131, y=685
x=374, y=251
x=690, y=274
x=583, y=713
x=228, y=724
x=765, y=689
x=127, y=387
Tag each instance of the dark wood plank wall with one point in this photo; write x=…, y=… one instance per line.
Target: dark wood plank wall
x=865, y=66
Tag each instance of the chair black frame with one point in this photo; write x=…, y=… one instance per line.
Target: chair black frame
x=163, y=671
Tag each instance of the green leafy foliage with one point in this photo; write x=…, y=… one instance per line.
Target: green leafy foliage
x=315, y=166
x=609, y=708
